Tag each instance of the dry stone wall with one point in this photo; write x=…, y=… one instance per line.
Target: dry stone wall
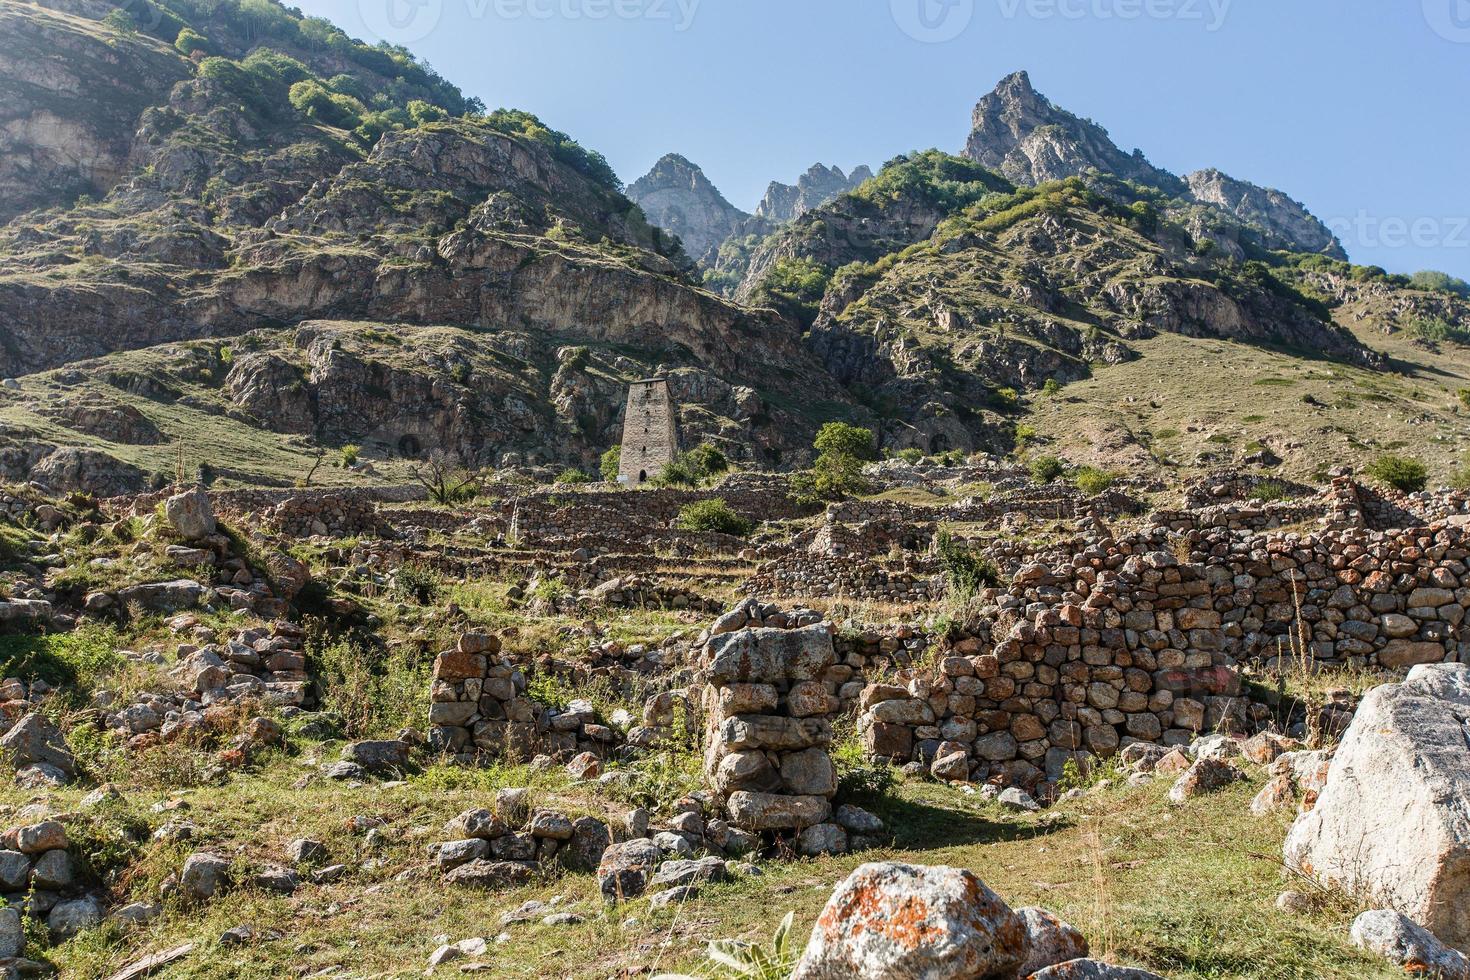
x=479, y=708
x=767, y=708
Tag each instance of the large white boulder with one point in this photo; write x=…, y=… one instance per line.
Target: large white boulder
x=1392, y=825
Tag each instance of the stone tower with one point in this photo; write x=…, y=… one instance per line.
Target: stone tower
x=650, y=437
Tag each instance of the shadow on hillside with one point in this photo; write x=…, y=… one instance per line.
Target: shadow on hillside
x=929, y=824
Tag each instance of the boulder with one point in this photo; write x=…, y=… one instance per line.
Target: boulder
x=770, y=655
x=590, y=840
x=34, y=741
x=907, y=921
x=12, y=936
x=676, y=874
x=1408, y=946
x=1205, y=776
x=190, y=514
x=1392, y=824
x=1049, y=941
x=204, y=876
x=380, y=756
x=768, y=811
x=625, y=869
x=490, y=874
x=163, y=597
x=68, y=918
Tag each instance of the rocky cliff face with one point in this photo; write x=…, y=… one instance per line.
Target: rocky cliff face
x=677, y=197
x=1283, y=223
x=819, y=185
x=1018, y=132
x=71, y=94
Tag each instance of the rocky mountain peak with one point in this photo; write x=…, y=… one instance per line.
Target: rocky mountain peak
x=1020, y=133
x=818, y=186
x=678, y=197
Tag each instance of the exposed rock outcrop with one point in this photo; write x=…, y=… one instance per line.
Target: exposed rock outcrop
x=1392, y=825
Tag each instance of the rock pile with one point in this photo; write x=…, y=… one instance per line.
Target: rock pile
x=38, y=877
x=504, y=847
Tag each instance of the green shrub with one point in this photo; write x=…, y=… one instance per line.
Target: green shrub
x=1399, y=472
x=376, y=692
x=572, y=475
x=120, y=20
x=1464, y=395
x=965, y=571
x=707, y=460
x=795, y=287
x=1440, y=282
x=1051, y=388
x=910, y=455
x=715, y=516
x=417, y=583
x=189, y=41
x=1045, y=469
x=315, y=101
x=1092, y=481
x=611, y=462
x=349, y=454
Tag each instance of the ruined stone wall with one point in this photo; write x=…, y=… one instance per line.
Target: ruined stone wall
x=767, y=706
x=479, y=708
x=650, y=437
x=805, y=575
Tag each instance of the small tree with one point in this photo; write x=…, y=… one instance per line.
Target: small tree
x=445, y=480
x=707, y=460
x=714, y=516
x=611, y=465
x=1399, y=472
x=848, y=440
x=838, y=471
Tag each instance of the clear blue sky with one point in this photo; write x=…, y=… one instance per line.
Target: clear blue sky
x=1356, y=107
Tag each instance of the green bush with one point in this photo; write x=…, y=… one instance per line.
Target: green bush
x=1464, y=395
x=795, y=287
x=1045, y=469
x=847, y=440
x=1399, y=472
x=1051, y=388
x=611, y=462
x=965, y=571
x=572, y=475
x=1440, y=282
x=714, y=516
x=189, y=41
x=315, y=101
x=1092, y=481
x=707, y=460
x=349, y=454
x=910, y=455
